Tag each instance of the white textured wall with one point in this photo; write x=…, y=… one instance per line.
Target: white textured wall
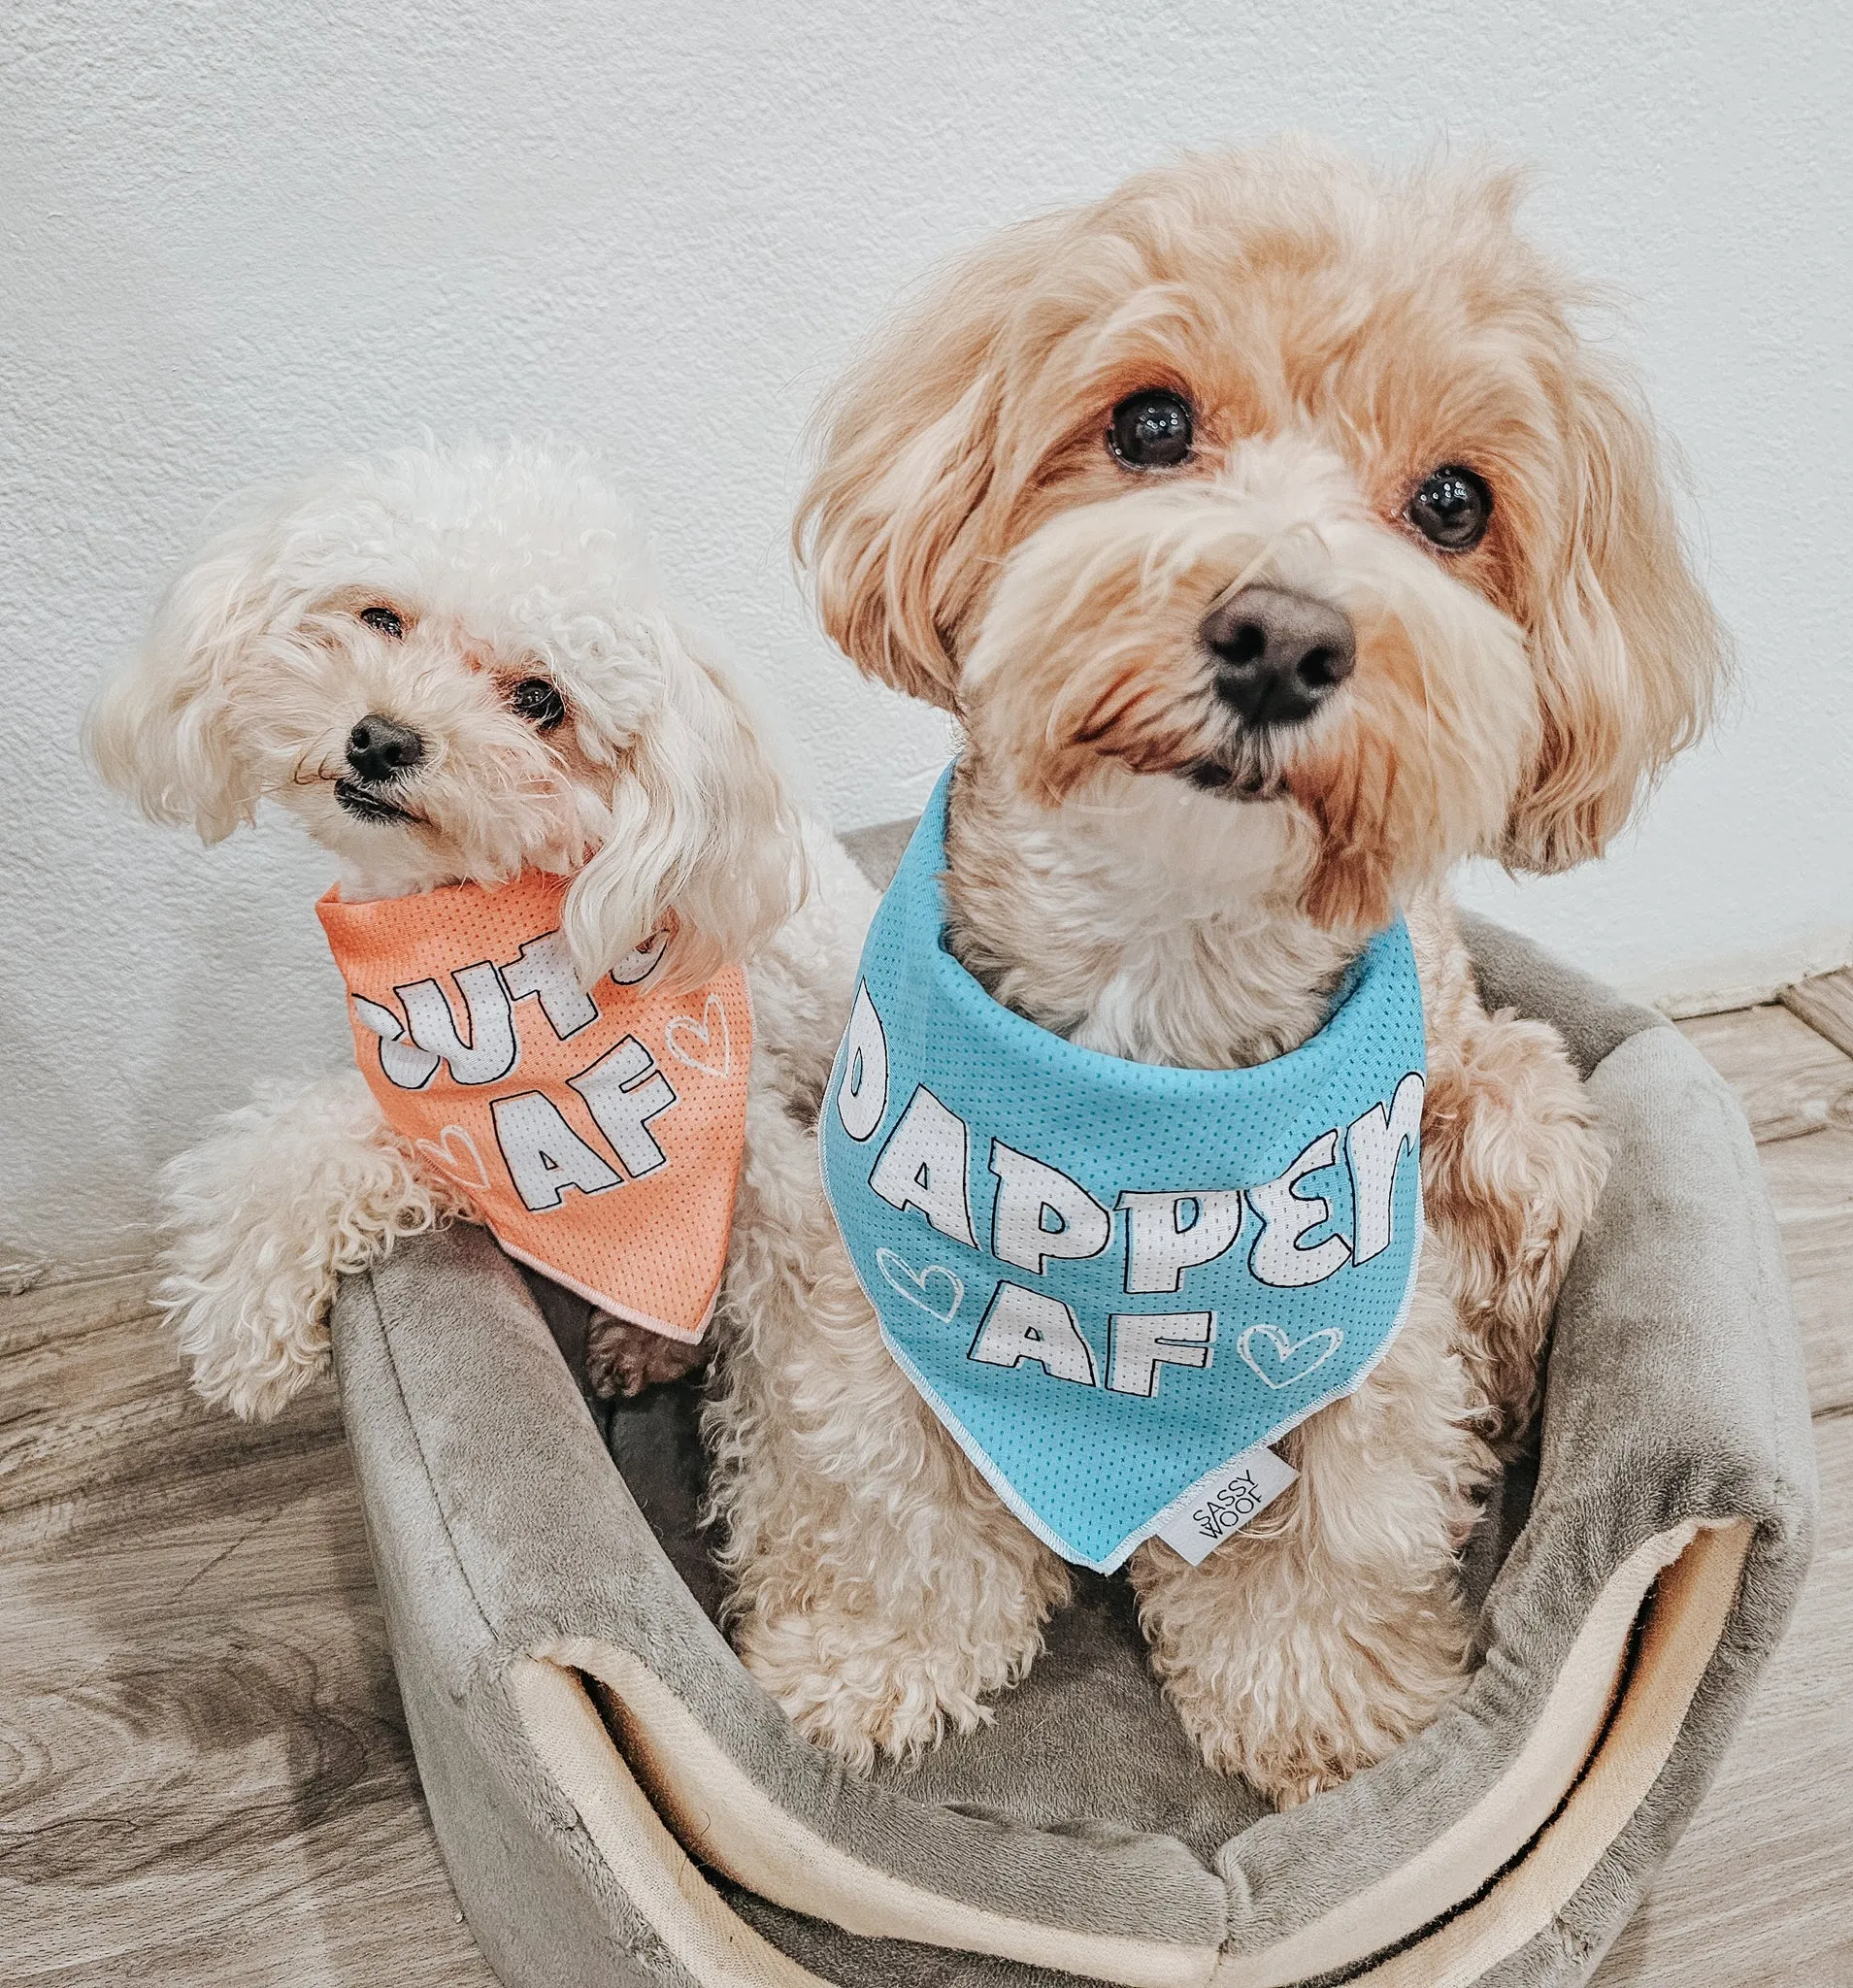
x=239, y=237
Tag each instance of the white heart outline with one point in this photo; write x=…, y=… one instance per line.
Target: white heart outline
x=712, y=1008
x=441, y=1156
x=1278, y=1341
x=911, y=1284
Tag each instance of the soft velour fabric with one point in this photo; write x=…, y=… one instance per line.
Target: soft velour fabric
x=508, y=1517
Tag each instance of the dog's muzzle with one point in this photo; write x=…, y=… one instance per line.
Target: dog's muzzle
x=1279, y=655
x=380, y=753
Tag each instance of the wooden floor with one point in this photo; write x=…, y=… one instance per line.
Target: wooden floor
x=203, y=1773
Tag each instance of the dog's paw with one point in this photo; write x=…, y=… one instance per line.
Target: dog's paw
x=856, y=1687
x=624, y=1359
x=1308, y=1717
x=252, y=1340
x=253, y=1358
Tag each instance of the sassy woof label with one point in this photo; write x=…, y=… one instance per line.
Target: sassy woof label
x=1224, y=1503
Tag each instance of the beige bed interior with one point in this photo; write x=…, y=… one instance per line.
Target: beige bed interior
x=670, y=1794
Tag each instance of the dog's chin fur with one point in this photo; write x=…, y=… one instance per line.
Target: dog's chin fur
x=503, y=564
x=974, y=542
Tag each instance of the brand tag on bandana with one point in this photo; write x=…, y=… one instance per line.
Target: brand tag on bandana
x=598, y=1133
x=1211, y=1511
x=1115, y=1282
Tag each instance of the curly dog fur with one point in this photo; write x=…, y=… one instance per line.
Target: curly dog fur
x=495, y=602
x=1143, y=858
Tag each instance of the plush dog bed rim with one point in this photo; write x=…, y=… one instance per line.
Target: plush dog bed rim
x=1741, y=1488
x=693, y=1795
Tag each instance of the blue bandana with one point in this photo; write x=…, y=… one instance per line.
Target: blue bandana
x=1115, y=1282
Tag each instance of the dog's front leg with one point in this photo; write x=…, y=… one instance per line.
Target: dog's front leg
x=281, y=1198
x=624, y=1358
x=879, y=1591
x=1331, y=1629
x=1512, y=1170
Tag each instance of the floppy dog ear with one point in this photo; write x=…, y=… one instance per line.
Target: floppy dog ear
x=889, y=525
x=701, y=827
x=161, y=730
x=1628, y=651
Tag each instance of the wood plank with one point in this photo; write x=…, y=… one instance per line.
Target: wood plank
x=1760, y=1890
x=53, y=1313
x=1810, y=1184
x=205, y=1777
x=185, y=1782
x=98, y=1430
x=1826, y=1004
x=1796, y=1090
x=1790, y=1080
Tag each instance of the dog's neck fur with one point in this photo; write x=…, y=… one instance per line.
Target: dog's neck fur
x=408, y=877
x=1144, y=920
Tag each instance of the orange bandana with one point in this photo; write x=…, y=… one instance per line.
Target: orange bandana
x=597, y=1135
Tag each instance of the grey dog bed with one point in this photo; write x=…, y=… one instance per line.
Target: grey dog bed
x=618, y=1803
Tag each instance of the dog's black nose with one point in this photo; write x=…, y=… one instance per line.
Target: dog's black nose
x=379, y=749
x=1280, y=655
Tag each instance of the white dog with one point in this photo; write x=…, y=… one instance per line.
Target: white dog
x=451, y=667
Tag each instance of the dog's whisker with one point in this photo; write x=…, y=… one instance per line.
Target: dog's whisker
x=1058, y=725
x=1255, y=566
x=1428, y=715
x=1111, y=709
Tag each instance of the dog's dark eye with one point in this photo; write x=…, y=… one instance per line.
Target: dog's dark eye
x=538, y=701
x=386, y=619
x=1451, y=509
x=1152, y=431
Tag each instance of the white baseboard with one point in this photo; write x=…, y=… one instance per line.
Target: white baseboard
x=1745, y=979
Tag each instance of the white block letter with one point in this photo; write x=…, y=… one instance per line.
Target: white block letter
x=1278, y=1258
x=1025, y=1325
x=405, y=1063
x=545, y=968
x=1158, y=1250
x=1139, y=1343
x=862, y=1097
x=624, y=1090
x=923, y=1167
x=542, y=1154
x=490, y=1051
x=1028, y=1193
x=640, y=962
x=1375, y=1146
